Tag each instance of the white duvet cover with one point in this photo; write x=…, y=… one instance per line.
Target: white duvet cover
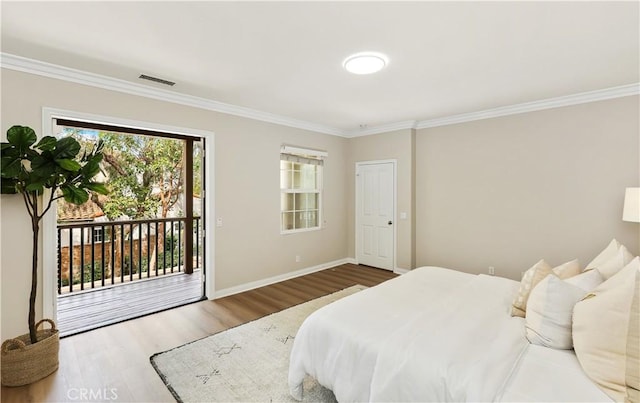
x=549, y=375
x=432, y=334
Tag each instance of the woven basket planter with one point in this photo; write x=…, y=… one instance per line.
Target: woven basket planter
x=24, y=363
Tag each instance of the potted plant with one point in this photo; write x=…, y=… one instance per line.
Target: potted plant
x=28, y=169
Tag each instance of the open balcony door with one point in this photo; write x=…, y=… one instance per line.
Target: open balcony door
x=52, y=117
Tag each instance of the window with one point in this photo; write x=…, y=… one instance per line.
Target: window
x=98, y=235
x=300, y=190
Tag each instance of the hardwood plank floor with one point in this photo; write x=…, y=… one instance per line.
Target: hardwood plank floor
x=112, y=363
x=79, y=312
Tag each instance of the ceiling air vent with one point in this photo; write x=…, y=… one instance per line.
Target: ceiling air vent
x=157, y=80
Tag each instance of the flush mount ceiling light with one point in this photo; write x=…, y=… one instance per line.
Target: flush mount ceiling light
x=365, y=63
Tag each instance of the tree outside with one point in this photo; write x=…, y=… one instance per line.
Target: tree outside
x=145, y=178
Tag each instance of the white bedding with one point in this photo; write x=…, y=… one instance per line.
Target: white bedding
x=432, y=334
x=338, y=344
x=549, y=375
x=458, y=350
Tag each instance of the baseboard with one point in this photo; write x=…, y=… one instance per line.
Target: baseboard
x=225, y=292
x=398, y=270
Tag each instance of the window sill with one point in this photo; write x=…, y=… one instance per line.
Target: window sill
x=297, y=231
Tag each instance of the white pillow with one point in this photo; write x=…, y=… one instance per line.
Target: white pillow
x=633, y=346
x=587, y=280
x=567, y=270
x=531, y=277
x=615, y=263
x=549, y=310
x=600, y=331
x=606, y=254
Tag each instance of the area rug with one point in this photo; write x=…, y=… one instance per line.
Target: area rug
x=247, y=363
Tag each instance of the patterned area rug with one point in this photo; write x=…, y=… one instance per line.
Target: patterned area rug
x=247, y=363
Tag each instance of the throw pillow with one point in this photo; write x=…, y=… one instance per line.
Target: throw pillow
x=600, y=330
x=549, y=310
x=633, y=346
x=615, y=263
x=530, y=279
x=587, y=280
x=606, y=254
x=567, y=270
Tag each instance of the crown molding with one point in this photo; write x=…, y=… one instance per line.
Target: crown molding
x=26, y=65
x=549, y=103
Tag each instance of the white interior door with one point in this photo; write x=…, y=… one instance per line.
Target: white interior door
x=375, y=208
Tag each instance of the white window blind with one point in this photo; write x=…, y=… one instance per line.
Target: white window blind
x=300, y=188
x=304, y=152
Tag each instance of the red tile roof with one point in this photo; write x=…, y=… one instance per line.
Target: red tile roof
x=84, y=212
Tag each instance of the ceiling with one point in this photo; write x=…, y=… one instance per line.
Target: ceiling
x=285, y=58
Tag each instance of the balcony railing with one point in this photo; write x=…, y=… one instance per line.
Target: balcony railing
x=98, y=254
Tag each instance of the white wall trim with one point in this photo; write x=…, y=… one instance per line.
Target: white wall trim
x=225, y=292
x=401, y=271
x=49, y=259
x=26, y=65
x=50, y=70
x=351, y=260
x=52, y=113
x=49, y=233
x=550, y=103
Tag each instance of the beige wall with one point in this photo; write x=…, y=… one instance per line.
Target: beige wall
x=508, y=191
x=500, y=192
x=396, y=145
x=249, y=247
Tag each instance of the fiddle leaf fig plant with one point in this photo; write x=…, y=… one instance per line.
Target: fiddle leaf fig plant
x=31, y=167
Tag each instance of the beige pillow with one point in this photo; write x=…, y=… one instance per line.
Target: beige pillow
x=633, y=346
x=587, y=280
x=549, y=310
x=615, y=263
x=606, y=254
x=567, y=270
x=531, y=277
x=600, y=328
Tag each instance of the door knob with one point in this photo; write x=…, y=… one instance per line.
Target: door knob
x=390, y=223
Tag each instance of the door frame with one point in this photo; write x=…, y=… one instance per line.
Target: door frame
x=49, y=224
x=394, y=163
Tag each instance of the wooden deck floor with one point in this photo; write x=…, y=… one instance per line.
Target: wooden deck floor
x=92, y=309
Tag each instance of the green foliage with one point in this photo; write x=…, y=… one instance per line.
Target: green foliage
x=97, y=274
x=197, y=166
x=145, y=175
x=30, y=168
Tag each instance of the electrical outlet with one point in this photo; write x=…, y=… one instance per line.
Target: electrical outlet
x=492, y=270
x=298, y=259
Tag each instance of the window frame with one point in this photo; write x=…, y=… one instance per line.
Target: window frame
x=319, y=190
x=98, y=234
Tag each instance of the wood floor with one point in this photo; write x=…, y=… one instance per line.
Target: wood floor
x=112, y=363
x=79, y=312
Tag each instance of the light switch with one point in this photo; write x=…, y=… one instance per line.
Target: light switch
x=403, y=216
x=219, y=222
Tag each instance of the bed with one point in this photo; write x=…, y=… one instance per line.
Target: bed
x=432, y=334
